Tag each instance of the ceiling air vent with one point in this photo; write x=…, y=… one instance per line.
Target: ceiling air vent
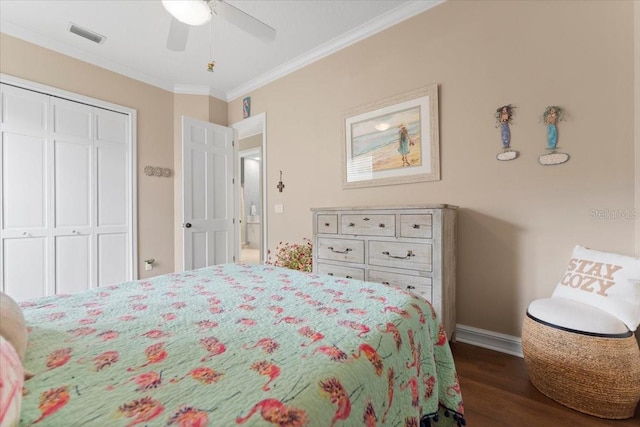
x=87, y=34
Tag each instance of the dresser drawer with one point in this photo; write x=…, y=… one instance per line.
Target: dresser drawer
x=369, y=225
x=412, y=256
x=416, y=284
x=327, y=224
x=340, y=271
x=416, y=226
x=348, y=250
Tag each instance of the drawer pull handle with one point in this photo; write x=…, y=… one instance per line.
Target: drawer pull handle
x=409, y=255
x=410, y=287
x=349, y=277
x=339, y=252
x=386, y=283
x=416, y=226
x=326, y=224
x=381, y=225
x=329, y=274
x=351, y=224
x=366, y=219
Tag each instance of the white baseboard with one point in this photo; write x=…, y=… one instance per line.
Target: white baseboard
x=489, y=339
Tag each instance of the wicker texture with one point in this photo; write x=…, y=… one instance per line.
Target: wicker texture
x=594, y=375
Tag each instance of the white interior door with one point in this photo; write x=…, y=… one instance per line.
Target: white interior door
x=208, y=195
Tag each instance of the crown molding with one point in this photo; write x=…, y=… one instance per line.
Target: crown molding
x=185, y=89
x=81, y=55
x=381, y=23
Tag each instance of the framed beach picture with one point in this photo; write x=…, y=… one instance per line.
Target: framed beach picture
x=393, y=141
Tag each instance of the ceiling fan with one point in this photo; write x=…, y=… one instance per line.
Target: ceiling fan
x=187, y=13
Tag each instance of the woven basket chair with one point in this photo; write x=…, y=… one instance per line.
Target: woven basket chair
x=596, y=375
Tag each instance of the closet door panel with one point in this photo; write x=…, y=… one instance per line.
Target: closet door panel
x=72, y=184
x=23, y=110
x=72, y=263
x=112, y=258
x=112, y=186
x=72, y=119
x=113, y=177
x=24, y=182
x=25, y=267
x=111, y=127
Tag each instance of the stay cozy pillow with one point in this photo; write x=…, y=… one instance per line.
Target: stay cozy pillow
x=608, y=281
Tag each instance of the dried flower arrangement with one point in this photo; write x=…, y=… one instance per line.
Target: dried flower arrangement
x=294, y=256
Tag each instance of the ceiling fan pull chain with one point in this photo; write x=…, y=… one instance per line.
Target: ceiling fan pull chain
x=211, y=64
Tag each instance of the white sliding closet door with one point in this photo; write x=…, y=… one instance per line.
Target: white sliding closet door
x=25, y=211
x=71, y=196
x=112, y=195
x=66, y=185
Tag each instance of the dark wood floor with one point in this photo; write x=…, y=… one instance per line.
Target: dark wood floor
x=497, y=392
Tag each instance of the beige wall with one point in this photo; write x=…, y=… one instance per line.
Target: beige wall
x=154, y=137
x=218, y=111
x=254, y=141
x=637, y=121
x=518, y=221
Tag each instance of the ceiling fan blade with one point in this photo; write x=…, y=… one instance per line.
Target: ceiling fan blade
x=178, y=35
x=245, y=21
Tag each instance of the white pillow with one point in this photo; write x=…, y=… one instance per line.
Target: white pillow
x=607, y=281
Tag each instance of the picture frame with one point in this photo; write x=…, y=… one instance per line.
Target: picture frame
x=393, y=141
x=246, y=107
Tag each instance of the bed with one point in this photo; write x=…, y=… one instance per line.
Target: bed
x=235, y=345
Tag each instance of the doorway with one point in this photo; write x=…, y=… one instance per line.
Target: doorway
x=251, y=194
x=250, y=200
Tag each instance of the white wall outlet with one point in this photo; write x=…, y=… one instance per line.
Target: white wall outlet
x=279, y=208
x=148, y=264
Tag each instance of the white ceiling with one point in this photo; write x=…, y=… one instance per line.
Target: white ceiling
x=137, y=30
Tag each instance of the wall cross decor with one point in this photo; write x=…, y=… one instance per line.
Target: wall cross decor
x=280, y=185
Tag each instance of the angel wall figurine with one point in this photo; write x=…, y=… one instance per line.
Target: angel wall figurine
x=551, y=116
x=504, y=116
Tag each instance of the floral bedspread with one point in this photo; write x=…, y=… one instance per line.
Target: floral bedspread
x=238, y=345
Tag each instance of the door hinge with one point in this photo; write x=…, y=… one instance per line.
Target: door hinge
x=233, y=180
x=234, y=220
x=234, y=258
x=233, y=143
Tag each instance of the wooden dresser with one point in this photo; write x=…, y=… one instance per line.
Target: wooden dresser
x=413, y=247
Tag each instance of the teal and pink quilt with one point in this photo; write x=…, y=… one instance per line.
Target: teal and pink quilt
x=239, y=345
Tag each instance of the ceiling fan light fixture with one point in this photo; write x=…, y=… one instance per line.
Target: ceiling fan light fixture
x=191, y=12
